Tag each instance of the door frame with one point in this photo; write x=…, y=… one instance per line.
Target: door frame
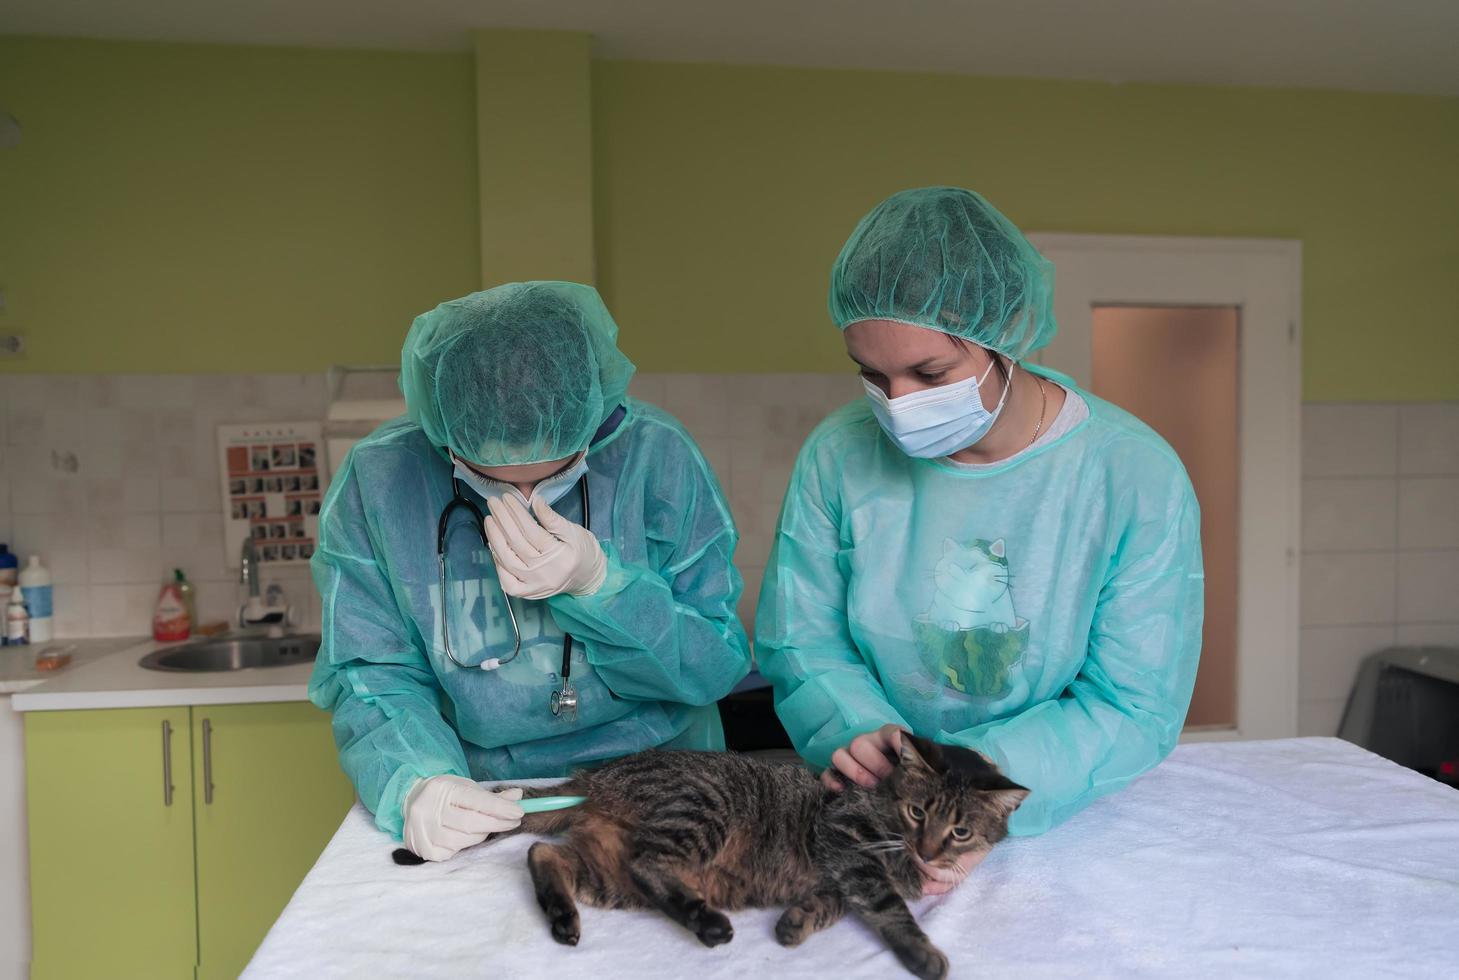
x=1262, y=278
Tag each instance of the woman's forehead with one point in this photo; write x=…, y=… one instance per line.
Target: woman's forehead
x=893, y=343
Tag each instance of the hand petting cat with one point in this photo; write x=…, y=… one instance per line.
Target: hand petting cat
x=866, y=762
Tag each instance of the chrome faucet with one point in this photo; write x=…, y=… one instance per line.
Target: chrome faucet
x=272, y=609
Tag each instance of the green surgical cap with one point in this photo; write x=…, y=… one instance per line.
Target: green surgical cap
x=522, y=373
x=943, y=258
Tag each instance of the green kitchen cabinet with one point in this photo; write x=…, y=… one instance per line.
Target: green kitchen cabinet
x=164, y=842
x=111, y=843
x=268, y=794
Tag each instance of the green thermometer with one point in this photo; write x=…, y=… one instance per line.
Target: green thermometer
x=541, y=804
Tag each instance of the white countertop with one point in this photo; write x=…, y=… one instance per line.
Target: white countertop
x=17, y=664
x=105, y=677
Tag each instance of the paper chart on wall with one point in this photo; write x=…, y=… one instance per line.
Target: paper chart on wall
x=273, y=485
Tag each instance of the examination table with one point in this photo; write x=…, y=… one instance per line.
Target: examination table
x=1294, y=858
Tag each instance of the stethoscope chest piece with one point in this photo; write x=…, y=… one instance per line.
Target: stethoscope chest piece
x=564, y=702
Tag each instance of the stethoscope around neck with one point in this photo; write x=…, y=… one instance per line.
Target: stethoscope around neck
x=564, y=700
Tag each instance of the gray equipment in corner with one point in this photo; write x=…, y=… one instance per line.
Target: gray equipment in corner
x=1405, y=707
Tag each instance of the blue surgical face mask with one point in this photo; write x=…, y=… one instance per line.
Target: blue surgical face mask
x=938, y=421
x=550, y=490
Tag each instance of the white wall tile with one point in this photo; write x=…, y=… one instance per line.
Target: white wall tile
x=4, y=492
x=182, y=462
x=1429, y=634
x=1349, y=514
x=105, y=391
x=194, y=543
x=1320, y=717
x=701, y=402
x=175, y=429
x=1331, y=655
x=124, y=495
x=197, y=495
x=123, y=610
x=1349, y=440
x=1348, y=588
x=1428, y=512
x=119, y=442
x=119, y=566
x=121, y=531
x=65, y=428
x=125, y=548
x=22, y=391
x=62, y=542
x=157, y=391
x=1429, y=439
x=217, y=601
x=1428, y=586
x=27, y=426
x=295, y=397
x=71, y=610
x=647, y=388
x=40, y=483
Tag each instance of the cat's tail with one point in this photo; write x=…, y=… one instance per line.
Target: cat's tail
x=545, y=824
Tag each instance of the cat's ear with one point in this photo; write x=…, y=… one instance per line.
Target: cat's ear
x=997, y=549
x=948, y=546
x=1007, y=800
x=921, y=754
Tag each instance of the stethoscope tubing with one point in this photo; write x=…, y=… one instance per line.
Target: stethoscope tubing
x=459, y=499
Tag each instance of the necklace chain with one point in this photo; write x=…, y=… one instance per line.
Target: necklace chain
x=1043, y=409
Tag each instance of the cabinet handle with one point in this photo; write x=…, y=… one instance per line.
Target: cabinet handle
x=167, y=763
x=207, y=761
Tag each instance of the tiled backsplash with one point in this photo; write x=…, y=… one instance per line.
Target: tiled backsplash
x=750, y=428
x=1380, y=541
x=113, y=479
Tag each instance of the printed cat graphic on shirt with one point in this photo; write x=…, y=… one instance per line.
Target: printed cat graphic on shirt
x=973, y=588
x=972, y=635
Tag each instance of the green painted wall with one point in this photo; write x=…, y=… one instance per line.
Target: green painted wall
x=534, y=151
x=723, y=194
x=210, y=208
x=203, y=208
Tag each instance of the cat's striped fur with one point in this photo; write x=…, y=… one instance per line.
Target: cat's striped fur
x=695, y=833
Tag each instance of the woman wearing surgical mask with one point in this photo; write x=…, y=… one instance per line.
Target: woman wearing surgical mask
x=977, y=551
x=527, y=573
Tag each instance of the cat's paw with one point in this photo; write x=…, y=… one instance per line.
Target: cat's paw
x=999, y=628
x=712, y=927
x=793, y=927
x=567, y=927
x=925, y=961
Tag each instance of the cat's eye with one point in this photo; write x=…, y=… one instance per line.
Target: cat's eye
x=916, y=813
x=961, y=833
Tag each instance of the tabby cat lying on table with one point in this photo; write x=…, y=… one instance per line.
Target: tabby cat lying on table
x=690, y=833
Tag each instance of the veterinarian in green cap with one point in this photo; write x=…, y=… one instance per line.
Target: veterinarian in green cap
x=978, y=551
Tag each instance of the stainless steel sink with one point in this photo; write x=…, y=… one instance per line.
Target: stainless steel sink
x=236, y=653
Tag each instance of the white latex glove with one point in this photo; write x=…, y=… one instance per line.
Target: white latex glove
x=443, y=814
x=545, y=556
